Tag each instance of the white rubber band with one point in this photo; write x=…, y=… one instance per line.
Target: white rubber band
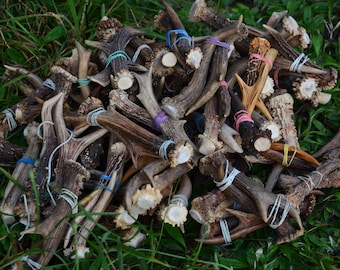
x=39, y=128
x=10, y=116
x=28, y=216
x=34, y=265
x=49, y=175
x=308, y=181
x=192, y=41
x=225, y=231
x=302, y=63
x=180, y=197
x=70, y=198
x=139, y=49
x=296, y=65
x=49, y=84
x=321, y=177
x=228, y=179
x=275, y=211
x=91, y=117
x=162, y=151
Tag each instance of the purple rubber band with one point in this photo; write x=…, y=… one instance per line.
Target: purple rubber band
x=217, y=42
x=160, y=118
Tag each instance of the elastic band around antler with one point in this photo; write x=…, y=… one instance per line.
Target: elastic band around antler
x=10, y=116
x=285, y=156
x=228, y=179
x=185, y=36
x=163, y=149
x=91, y=118
x=70, y=198
x=275, y=210
x=115, y=55
x=139, y=49
x=296, y=65
x=225, y=231
x=49, y=84
x=215, y=41
x=260, y=57
x=159, y=119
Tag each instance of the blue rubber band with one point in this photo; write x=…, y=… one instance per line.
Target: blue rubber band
x=197, y=122
x=26, y=160
x=115, y=55
x=83, y=82
x=117, y=186
x=178, y=32
x=235, y=205
x=105, y=177
x=105, y=187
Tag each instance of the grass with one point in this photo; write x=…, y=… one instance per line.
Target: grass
x=35, y=34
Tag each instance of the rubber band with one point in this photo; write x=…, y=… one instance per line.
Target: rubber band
x=262, y=58
x=39, y=128
x=114, y=190
x=235, y=205
x=115, y=55
x=49, y=167
x=308, y=181
x=91, y=118
x=117, y=186
x=241, y=116
x=276, y=78
x=83, y=82
x=168, y=88
x=275, y=211
x=105, y=177
x=321, y=177
x=285, y=155
x=178, y=32
x=180, y=198
x=49, y=84
x=26, y=160
x=34, y=265
x=160, y=118
x=198, y=118
x=163, y=149
x=10, y=116
x=70, y=198
x=105, y=187
x=296, y=65
x=225, y=231
x=228, y=179
x=28, y=216
x=224, y=83
x=215, y=41
x=139, y=49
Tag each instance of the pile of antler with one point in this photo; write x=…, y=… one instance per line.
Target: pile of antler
x=145, y=122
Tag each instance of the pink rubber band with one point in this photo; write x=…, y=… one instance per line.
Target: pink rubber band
x=242, y=116
x=276, y=78
x=260, y=57
x=224, y=83
x=160, y=118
